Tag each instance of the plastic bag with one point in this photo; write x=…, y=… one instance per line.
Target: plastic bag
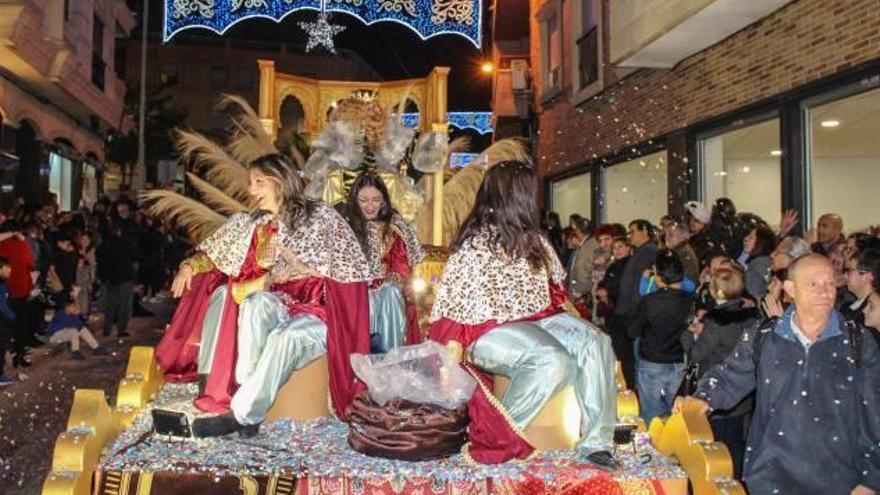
x=425, y=374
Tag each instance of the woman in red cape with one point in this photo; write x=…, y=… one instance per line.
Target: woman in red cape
x=316, y=305
x=230, y=264
x=392, y=249
x=499, y=306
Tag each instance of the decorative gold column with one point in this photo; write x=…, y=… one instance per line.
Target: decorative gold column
x=435, y=115
x=267, y=95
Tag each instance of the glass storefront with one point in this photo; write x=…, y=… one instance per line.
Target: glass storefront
x=745, y=165
x=572, y=195
x=636, y=189
x=61, y=180
x=844, y=159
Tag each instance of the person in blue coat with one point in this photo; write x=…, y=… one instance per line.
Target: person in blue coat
x=816, y=427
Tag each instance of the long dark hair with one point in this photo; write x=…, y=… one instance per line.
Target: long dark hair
x=295, y=206
x=507, y=201
x=765, y=241
x=355, y=216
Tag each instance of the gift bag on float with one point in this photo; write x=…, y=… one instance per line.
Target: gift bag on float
x=415, y=406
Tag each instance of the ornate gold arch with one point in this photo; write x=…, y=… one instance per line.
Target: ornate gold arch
x=316, y=97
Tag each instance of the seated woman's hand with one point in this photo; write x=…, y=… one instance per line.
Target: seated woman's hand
x=182, y=281
x=296, y=265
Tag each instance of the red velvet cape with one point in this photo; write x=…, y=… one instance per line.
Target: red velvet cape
x=345, y=309
x=397, y=262
x=178, y=351
x=493, y=438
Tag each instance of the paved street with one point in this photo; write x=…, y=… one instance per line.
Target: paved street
x=33, y=412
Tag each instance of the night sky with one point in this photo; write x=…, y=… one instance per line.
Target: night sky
x=394, y=51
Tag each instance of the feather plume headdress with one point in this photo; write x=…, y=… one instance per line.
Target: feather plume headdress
x=223, y=185
x=460, y=192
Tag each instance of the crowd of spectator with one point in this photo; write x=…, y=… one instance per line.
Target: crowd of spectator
x=684, y=300
x=62, y=273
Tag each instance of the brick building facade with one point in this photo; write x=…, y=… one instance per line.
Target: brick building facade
x=60, y=94
x=777, y=69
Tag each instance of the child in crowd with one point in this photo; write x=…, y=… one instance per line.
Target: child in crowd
x=711, y=340
x=659, y=321
x=7, y=317
x=68, y=326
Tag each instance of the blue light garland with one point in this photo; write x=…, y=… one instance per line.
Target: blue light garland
x=418, y=15
x=461, y=159
x=477, y=121
x=410, y=120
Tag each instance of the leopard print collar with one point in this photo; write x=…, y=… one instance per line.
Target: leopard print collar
x=227, y=247
x=480, y=283
x=379, y=244
x=326, y=243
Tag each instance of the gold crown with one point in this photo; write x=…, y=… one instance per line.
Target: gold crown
x=365, y=95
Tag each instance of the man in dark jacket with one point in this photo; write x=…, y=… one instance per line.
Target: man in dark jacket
x=641, y=237
x=659, y=321
x=64, y=264
x=862, y=279
x=116, y=270
x=815, y=428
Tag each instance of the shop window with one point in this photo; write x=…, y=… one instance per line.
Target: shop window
x=844, y=159
x=61, y=179
x=572, y=195
x=744, y=165
x=636, y=189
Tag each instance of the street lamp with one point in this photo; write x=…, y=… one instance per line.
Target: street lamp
x=487, y=67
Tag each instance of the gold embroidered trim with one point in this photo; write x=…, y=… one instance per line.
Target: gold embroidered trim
x=199, y=262
x=500, y=408
x=240, y=290
x=456, y=350
x=264, y=254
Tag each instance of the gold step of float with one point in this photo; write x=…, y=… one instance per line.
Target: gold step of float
x=93, y=425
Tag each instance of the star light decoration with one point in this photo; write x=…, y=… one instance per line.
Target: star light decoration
x=321, y=32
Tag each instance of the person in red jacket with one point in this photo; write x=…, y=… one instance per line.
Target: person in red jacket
x=14, y=248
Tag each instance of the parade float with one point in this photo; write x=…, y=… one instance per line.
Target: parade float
x=112, y=449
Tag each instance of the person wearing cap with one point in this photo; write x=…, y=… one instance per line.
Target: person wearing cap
x=699, y=218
